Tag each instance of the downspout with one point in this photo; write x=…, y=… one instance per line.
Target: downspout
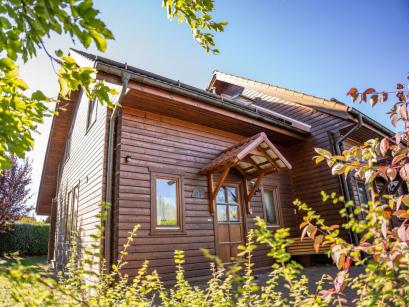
x=342, y=178
x=110, y=165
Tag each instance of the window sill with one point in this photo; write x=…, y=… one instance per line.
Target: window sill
x=274, y=226
x=167, y=232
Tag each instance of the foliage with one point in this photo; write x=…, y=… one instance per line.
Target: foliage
x=197, y=16
x=25, y=238
x=230, y=286
x=24, y=26
x=382, y=224
x=14, y=193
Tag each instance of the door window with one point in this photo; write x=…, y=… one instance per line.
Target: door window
x=227, y=205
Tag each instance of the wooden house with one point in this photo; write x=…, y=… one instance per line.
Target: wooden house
x=193, y=167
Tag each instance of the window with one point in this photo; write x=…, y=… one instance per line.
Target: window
x=271, y=206
x=67, y=149
x=166, y=203
x=227, y=205
x=362, y=194
x=71, y=213
x=92, y=113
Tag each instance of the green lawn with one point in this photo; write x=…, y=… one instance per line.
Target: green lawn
x=34, y=264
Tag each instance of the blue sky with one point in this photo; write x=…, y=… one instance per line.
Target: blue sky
x=321, y=47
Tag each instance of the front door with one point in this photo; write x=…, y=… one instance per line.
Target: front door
x=229, y=222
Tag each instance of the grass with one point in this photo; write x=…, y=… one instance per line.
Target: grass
x=36, y=264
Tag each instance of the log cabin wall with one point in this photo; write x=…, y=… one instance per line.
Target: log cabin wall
x=309, y=179
x=151, y=142
x=82, y=170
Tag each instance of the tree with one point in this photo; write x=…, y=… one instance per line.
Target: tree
x=14, y=193
x=383, y=229
x=25, y=24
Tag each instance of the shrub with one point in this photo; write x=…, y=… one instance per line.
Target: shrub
x=26, y=238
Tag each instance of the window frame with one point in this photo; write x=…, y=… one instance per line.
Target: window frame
x=277, y=205
x=227, y=204
x=168, y=230
x=67, y=150
x=71, y=205
x=92, y=114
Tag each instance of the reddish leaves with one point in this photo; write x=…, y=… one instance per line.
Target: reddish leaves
x=403, y=214
x=317, y=241
x=366, y=93
x=373, y=100
x=403, y=111
x=404, y=172
x=353, y=92
x=383, y=97
x=384, y=146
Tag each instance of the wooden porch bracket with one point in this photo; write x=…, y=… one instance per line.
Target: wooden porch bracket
x=248, y=195
x=213, y=192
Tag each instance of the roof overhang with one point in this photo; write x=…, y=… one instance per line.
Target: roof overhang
x=55, y=152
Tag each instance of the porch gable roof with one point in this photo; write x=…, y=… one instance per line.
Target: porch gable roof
x=251, y=156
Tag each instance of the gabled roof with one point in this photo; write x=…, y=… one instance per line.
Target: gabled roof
x=252, y=89
x=143, y=76
x=250, y=156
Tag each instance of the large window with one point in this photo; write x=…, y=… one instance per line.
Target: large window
x=167, y=203
x=271, y=206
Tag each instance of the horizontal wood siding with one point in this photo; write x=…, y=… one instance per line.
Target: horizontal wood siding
x=84, y=168
x=151, y=140
x=309, y=179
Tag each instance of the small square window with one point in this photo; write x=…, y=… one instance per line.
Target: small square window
x=166, y=203
x=271, y=206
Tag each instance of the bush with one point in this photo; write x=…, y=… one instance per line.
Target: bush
x=26, y=238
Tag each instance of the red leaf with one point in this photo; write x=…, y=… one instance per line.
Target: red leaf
x=400, y=86
x=394, y=119
x=398, y=138
x=404, y=172
x=304, y=232
x=401, y=96
x=387, y=213
x=312, y=233
x=403, y=111
x=369, y=91
x=383, y=97
x=403, y=214
x=384, y=147
x=318, y=240
x=391, y=173
x=353, y=92
x=402, y=233
x=398, y=158
x=373, y=100
x=347, y=263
